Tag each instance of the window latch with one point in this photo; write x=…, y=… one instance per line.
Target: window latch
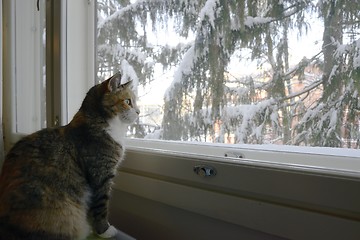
x=234, y=154
x=205, y=171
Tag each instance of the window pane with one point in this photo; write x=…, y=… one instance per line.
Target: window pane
x=255, y=72
x=30, y=66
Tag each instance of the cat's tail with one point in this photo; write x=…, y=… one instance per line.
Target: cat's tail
x=9, y=232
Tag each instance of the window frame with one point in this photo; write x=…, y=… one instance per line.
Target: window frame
x=9, y=75
x=339, y=161
x=74, y=49
x=273, y=198
x=71, y=53
x=68, y=47
x=11, y=71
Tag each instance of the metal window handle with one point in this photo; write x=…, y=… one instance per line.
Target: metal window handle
x=205, y=171
x=234, y=154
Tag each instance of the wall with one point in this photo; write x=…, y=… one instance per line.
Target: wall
x=146, y=219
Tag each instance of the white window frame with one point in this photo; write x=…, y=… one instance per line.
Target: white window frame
x=76, y=62
x=70, y=35
x=79, y=60
x=11, y=73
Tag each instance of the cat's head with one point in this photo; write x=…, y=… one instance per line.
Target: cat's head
x=119, y=100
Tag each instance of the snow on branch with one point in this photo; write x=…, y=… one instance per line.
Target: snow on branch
x=251, y=118
x=356, y=61
x=252, y=22
x=184, y=68
x=303, y=91
x=129, y=74
x=207, y=13
x=122, y=11
x=120, y=52
x=352, y=48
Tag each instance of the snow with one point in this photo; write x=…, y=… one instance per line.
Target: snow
x=184, y=68
x=157, y=134
x=312, y=113
x=119, y=52
x=208, y=11
x=258, y=131
x=356, y=63
x=253, y=21
x=349, y=48
x=128, y=73
x=333, y=115
x=250, y=22
x=120, y=13
x=245, y=116
x=274, y=116
x=341, y=49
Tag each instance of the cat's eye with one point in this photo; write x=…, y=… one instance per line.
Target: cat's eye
x=127, y=101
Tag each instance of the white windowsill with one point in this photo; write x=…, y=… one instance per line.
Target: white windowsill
x=272, y=187
x=337, y=161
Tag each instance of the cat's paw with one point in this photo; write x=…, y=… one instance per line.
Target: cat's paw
x=109, y=233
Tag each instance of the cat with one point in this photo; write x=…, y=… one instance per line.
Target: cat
x=56, y=183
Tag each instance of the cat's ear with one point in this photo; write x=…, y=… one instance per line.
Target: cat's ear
x=114, y=82
x=126, y=85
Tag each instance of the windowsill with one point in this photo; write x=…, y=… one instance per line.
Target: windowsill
x=272, y=187
x=334, y=161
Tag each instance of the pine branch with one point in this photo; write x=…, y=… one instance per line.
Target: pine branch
x=305, y=90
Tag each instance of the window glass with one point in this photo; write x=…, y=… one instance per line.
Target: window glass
x=29, y=88
x=255, y=72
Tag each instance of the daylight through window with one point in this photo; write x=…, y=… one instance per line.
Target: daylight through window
x=255, y=72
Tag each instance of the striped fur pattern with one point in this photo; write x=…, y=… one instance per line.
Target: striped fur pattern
x=55, y=183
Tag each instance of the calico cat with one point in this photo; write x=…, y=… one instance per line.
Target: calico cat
x=55, y=183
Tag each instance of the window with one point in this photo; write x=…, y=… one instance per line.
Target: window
x=24, y=68
x=43, y=53
x=205, y=73
x=248, y=72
